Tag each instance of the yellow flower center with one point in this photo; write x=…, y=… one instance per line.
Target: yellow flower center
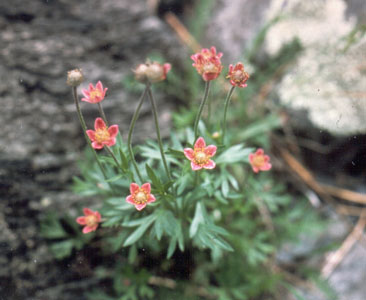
x=102, y=135
x=140, y=197
x=258, y=161
x=238, y=76
x=91, y=220
x=201, y=158
x=95, y=93
x=209, y=68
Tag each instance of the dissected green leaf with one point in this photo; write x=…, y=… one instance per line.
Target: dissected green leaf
x=138, y=233
x=171, y=247
x=198, y=219
x=234, y=154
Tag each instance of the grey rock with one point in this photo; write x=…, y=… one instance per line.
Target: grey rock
x=40, y=137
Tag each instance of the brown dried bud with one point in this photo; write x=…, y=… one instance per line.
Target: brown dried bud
x=75, y=77
x=152, y=72
x=140, y=73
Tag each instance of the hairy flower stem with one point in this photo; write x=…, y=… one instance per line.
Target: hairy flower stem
x=132, y=126
x=153, y=106
x=83, y=126
x=102, y=114
x=200, y=110
x=114, y=158
x=227, y=101
x=196, y=178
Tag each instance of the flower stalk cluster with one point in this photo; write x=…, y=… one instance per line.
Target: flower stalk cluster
x=208, y=64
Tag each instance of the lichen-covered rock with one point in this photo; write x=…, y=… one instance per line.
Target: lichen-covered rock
x=328, y=79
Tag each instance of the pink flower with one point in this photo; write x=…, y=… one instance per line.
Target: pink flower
x=200, y=155
x=94, y=95
x=140, y=196
x=152, y=72
x=238, y=77
x=208, y=63
x=259, y=161
x=91, y=220
x=102, y=135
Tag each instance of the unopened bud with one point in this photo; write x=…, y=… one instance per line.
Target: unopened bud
x=216, y=135
x=74, y=77
x=140, y=73
x=156, y=72
x=152, y=72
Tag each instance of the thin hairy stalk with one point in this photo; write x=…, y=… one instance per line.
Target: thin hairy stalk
x=114, y=158
x=101, y=111
x=200, y=110
x=209, y=109
x=196, y=178
x=153, y=106
x=132, y=126
x=227, y=101
x=83, y=126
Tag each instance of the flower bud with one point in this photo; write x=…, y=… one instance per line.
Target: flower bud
x=237, y=75
x=140, y=73
x=208, y=63
x=151, y=72
x=74, y=77
x=216, y=135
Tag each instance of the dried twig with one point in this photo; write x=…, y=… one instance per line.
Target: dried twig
x=349, y=210
x=182, y=32
x=344, y=194
x=324, y=190
x=334, y=259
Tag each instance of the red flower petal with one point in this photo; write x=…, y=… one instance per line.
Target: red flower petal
x=99, y=124
x=85, y=93
x=134, y=188
x=210, y=150
x=259, y=151
x=99, y=86
x=97, y=145
x=140, y=206
x=91, y=134
x=88, y=229
x=99, y=217
x=129, y=199
x=200, y=143
x=151, y=199
x=146, y=187
x=189, y=153
x=88, y=211
x=81, y=220
x=111, y=142
x=210, y=164
x=113, y=131
x=195, y=167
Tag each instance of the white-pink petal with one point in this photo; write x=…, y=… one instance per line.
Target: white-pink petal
x=210, y=165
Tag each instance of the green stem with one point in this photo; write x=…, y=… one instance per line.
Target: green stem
x=83, y=125
x=101, y=111
x=196, y=178
x=132, y=126
x=227, y=101
x=114, y=158
x=153, y=106
x=202, y=105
